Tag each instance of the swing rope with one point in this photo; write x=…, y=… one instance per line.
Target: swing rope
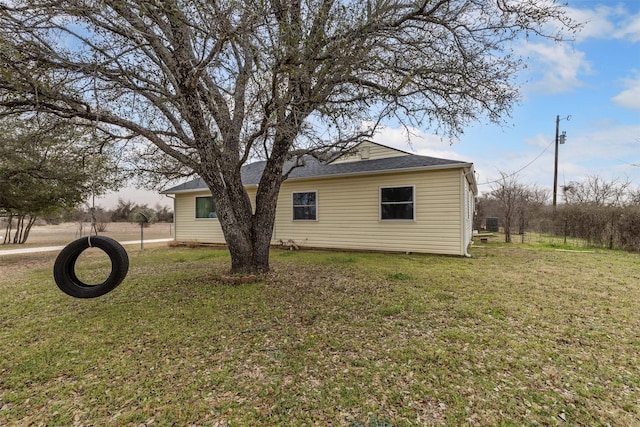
x=94, y=222
x=94, y=227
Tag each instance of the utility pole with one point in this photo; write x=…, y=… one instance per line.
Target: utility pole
x=560, y=139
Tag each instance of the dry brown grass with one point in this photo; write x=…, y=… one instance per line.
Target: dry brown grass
x=61, y=234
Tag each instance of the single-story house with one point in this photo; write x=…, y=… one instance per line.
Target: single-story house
x=373, y=197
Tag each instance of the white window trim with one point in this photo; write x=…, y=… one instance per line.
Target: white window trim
x=380, y=203
x=195, y=210
x=293, y=206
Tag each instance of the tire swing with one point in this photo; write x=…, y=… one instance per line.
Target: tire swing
x=64, y=269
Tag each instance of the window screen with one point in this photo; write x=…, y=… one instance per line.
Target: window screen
x=396, y=203
x=305, y=206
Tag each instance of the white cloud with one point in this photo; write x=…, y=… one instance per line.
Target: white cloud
x=558, y=65
x=416, y=141
x=597, y=23
x=606, y=141
x=630, y=97
x=540, y=141
x=607, y=22
x=629, y=28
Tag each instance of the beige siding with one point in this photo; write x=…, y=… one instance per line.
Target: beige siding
x=349, y=211
x=190, y=229
x=369, y=151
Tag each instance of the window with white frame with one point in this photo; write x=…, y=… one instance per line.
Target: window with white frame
x=397, y=203
x=305, y=206
x=205, y=207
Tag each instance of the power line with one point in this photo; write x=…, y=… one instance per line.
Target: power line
x=521, y=169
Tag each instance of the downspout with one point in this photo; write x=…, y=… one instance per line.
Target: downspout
x=464, y=214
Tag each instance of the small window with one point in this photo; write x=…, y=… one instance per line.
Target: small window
x=205, y=207
x=305, y=206
x=397, y=203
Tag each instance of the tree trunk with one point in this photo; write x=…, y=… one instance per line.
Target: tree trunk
x=507, y=229
x=18, y=233
x=248, y=234
x=27, y=229
x=249, y=242
x=7, y=235
x=236, y=222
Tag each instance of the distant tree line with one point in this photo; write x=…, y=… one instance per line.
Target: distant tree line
x=124, y=211
x=603, y=213
x=12, y=231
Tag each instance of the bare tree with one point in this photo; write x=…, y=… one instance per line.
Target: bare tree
x=484, y=209
x=532, y=208
x=598, y=211
x=596, y=191
x=203, y=86
x=517, y=202
x=634, y=196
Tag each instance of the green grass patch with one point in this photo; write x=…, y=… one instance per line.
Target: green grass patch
x=398, y=276
x=515, y=335
x=338, y=258
x=390, y=310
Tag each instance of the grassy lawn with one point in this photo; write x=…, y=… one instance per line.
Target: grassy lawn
x=517, y=335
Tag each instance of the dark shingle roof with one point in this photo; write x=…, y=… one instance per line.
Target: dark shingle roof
x=313, y=168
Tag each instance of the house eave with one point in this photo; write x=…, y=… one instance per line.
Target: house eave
x=466, y=166
x=384, y=172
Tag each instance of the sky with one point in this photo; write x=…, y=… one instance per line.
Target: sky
x=591, y=83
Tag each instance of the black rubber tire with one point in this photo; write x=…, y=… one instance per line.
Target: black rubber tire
x=64, y=269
